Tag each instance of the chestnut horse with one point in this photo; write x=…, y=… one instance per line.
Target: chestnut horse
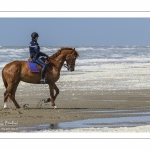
x=17, y=71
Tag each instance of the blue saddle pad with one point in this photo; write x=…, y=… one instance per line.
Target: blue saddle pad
x=33, y=67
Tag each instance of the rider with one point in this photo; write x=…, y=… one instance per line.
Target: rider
x=35, y=54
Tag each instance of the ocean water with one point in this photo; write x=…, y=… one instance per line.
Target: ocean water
x=97, y=68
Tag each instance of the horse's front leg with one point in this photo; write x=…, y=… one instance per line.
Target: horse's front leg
x=51, y=87
x=57, y=91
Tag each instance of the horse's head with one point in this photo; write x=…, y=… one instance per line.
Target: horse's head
x=68, y=54
x=71, y=59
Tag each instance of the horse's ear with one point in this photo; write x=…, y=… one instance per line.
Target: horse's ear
x=74, y=50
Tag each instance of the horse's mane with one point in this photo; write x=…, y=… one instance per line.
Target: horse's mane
x=61, y=49
x=55, y=55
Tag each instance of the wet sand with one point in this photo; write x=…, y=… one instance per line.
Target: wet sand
x=72, y=105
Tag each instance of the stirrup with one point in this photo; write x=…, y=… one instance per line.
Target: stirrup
x=43, y=81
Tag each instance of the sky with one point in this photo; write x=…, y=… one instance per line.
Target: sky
x=76, y=31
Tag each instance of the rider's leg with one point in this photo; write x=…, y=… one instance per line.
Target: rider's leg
x=41, y=63
x=42, y=74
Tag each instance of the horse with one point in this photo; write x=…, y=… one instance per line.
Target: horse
x=17, y=71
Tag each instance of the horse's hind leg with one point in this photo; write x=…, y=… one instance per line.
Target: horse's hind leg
x=6, y=95
x=10, y=92
x=13, y=95
x=5, y=99
x=15, y=102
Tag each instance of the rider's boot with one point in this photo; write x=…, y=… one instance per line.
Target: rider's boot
x=43, y=80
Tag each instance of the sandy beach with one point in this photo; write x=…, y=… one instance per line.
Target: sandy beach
x=72, y=105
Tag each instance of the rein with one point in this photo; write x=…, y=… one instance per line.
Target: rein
x=69, y=65
x=65, y=65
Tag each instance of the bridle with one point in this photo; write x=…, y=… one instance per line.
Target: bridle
x=65, y=65
x=70, y=65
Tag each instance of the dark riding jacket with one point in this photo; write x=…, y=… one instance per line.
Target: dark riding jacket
x=34, y=50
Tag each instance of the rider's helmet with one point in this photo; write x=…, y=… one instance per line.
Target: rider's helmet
x=34, y=35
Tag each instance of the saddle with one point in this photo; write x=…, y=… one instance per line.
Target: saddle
x=33, y=67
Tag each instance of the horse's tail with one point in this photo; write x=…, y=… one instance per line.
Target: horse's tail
x=4, y=80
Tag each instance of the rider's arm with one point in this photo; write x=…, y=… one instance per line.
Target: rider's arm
x=43, y=54
x=36, y=49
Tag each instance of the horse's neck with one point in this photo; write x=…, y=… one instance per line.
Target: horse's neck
x=59, y=61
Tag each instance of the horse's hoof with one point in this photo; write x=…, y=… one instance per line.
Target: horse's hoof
x=55, y=107
x=5, y=105
x=48, y=100
x=18, y=107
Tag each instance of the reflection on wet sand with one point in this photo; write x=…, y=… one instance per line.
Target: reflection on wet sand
x=138, y=119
